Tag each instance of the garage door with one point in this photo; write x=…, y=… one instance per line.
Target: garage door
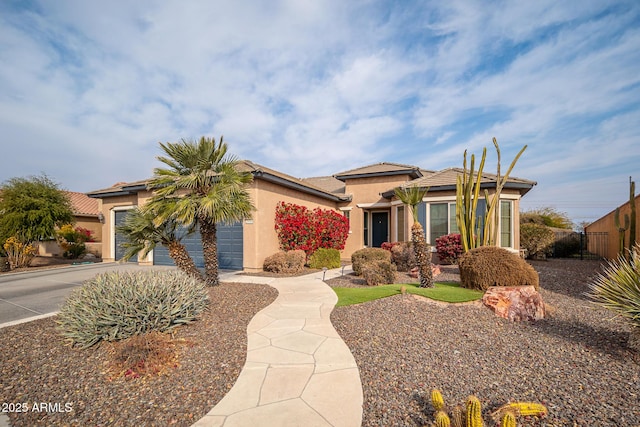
x=229, y=248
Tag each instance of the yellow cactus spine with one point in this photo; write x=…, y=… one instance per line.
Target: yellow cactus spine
x=457, y=417
x=474, y=412
x=437, y=400
x=508, y=419
x=442, y=419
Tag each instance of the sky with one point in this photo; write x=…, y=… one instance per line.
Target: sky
x=88, y=89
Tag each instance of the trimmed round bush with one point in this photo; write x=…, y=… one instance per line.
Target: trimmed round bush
x=379, y=272
x=403, y=256
x=117, y=305
x=325, y=257
x=488, y=266
x=363, y=256
x=289, y=262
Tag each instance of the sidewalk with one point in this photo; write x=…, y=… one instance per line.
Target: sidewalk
x=298, y=370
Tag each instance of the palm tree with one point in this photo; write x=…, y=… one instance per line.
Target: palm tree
x=142, y=236
x=201, y=186
x=412, y=196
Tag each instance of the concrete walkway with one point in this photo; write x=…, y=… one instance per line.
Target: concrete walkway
x=298, y=370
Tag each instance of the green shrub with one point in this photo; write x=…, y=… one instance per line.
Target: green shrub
x=72, y=240
x=323, y=257
x=488, y=266
x=537, y=240
x=618, y=289
x=285, y=262
x=116, y=305
x=403, y=256
x=379, y=272
x=363, y=256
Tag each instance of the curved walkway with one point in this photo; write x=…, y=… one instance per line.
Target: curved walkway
x=298, y=370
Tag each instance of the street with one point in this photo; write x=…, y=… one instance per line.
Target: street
x=28, y=294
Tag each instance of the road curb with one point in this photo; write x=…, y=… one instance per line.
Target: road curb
x=26, y=320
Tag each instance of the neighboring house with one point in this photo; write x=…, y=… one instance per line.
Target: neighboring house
x=87, y=215
x=607, y=225
x=364, y=195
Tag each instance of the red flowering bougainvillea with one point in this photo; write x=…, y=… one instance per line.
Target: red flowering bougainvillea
x=300, y=228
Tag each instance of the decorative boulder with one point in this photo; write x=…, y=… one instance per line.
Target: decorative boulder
x=516, y=303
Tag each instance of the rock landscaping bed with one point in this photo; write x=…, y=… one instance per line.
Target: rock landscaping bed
x=576, y=361
x=74, y=385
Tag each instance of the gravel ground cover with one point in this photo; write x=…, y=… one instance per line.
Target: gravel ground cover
x=576, y=361
x=37, y=367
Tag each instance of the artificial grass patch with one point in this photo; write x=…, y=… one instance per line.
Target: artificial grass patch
x=447, y=292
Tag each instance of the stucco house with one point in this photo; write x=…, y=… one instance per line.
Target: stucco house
x=87, y=215
x=364, y=195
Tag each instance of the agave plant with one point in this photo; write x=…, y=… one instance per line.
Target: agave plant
x=618, y=289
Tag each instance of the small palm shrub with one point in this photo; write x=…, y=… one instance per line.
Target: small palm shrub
x=116, y=305
x=537, y=240
x=618, y=289
x=449, y=248
x=363, y=256
x=325, y=257
x=289, y=262
x=379, y=272
x=488, y=266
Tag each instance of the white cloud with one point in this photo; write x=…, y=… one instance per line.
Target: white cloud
x=316, y=87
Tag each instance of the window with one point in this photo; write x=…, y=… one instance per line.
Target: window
x=366, y=228
x=505, y=223
x=453, y=223
x=400, y=224
x=439, y=221
x=347, y=214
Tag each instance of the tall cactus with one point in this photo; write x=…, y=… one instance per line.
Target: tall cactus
x=508, y=420
x=467, y=195
x=632, y=204
x=621, y=230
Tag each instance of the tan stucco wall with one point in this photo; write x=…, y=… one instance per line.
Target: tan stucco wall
x=90, y=223
x=606, y=224
x=260, y=238
x=108, y=206
x=367, y=191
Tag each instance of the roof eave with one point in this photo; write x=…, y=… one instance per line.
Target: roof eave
x=414, y=173
x=126, y=190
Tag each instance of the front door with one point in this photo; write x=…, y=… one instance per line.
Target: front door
x=379, y=228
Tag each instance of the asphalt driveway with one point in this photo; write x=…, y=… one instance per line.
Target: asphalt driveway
x=29, y=294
